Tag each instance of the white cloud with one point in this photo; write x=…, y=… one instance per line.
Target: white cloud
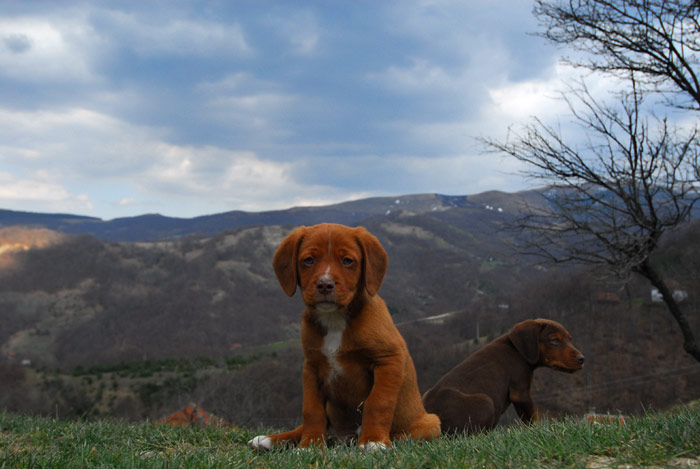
x=516, y=104
x=84, y=145
x=9, y=153
x=66, y=48
x=37, y=50
x=40, y=194
x=464, y=173
x=247, y=104
x=81, y=143
x=26, y=189
x=74, y=142
x=147, y=36
x=213, y=172
x=544, y=98
x=523, y=100
x=420, y=76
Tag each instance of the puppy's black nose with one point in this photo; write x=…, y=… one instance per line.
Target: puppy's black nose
x=325, y=286
x=580, y=358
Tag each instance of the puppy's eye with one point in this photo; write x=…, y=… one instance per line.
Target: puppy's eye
x=308, y=261
x=347, y=262
x=554, y=341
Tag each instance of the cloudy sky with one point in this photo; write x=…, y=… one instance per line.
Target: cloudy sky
x=188, y=108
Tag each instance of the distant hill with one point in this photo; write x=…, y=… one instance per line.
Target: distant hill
x=151, y=227
x=52, y=221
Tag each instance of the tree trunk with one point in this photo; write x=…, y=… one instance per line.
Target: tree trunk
x=689, y=343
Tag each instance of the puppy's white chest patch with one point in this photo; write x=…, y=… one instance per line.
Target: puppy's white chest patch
x=332, y=342
x=331, y=345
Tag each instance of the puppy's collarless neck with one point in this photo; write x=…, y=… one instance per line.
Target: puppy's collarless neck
x=330, y=319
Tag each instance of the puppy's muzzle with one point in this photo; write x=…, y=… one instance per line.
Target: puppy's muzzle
x=325, y=290
x=325, y=286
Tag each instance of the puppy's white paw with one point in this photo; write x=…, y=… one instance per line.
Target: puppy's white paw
x=261, y=442
x=372, y=446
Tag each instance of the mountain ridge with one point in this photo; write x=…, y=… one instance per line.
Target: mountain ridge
x=150, y=227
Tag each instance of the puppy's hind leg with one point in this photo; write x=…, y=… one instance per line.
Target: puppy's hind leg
x=425, y=428
x=460, y=412
x=267, y=442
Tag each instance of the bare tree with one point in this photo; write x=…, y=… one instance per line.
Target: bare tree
x=611, y=198
x=657, y=40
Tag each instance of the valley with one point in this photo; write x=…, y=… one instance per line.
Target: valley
x=86, y=314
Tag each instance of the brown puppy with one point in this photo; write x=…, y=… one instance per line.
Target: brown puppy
x=473, y=395
x=357, y=369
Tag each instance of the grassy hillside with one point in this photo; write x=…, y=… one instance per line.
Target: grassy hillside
x=89, y=327
x=85, y=301
x=101, y=323
x=655, y=439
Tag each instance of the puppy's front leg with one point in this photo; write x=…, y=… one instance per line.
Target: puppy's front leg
x=524, y=406
x=313, y=412
x=378, y=409
x=313, y=428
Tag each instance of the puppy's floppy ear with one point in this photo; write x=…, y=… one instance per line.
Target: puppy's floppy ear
x=374, y=260
x=285, y=260
x=525, y=338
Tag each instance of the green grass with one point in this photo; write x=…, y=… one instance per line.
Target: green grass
x=655, y=439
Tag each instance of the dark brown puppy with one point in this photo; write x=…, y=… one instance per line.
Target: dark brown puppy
x=473, y=395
